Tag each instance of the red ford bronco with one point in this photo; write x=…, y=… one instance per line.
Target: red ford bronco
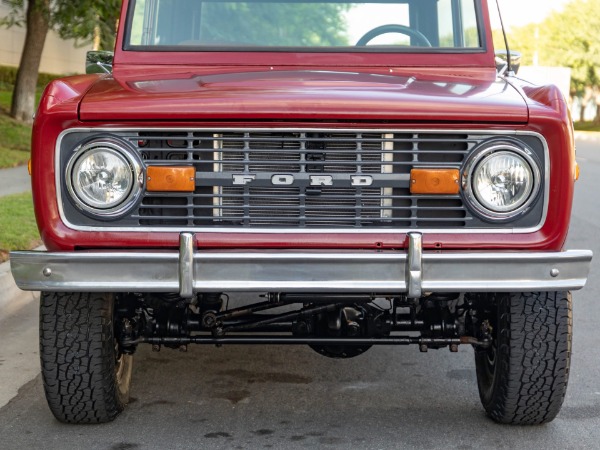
x=369, y=170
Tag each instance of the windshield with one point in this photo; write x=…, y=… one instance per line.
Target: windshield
x=383, y=25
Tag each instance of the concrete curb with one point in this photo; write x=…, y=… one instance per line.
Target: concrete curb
x=8, y=289
x=10, y=295
x=588, y=136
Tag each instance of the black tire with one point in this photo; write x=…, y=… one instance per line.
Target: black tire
x=522, y=377
x=86, y=379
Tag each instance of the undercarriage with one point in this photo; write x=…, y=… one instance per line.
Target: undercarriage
x=520, y=339
x=334, y=325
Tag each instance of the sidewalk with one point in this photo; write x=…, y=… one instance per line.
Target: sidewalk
x=14, y=181
x=588, y=136
x=8, y=289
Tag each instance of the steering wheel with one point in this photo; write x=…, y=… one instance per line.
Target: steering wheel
x=394, y=28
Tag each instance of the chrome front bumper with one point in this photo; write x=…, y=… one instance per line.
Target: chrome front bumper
x=189, y=271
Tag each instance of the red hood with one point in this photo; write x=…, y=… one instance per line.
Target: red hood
x=304, y=95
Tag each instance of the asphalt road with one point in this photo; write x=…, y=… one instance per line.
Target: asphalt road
x=290, y=397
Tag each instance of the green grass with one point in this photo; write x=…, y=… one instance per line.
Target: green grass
x=15, y=140
x=5, y=98
x=12, y=158
x=587, y=126
x=18, y=229
x=6, y=92
x=15, y=137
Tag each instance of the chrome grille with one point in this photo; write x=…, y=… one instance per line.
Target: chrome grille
x=268, y=206
x=380, y=160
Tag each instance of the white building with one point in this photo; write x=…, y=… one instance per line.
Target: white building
x=59, y=57
x=559, y=76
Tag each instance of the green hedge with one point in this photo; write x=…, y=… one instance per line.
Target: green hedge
x=8, y=75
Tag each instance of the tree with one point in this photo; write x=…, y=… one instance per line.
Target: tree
x=79, y=20
x=38, y=24
x=569, y=38
x=311, y=24
x=244, y=23
x=89, y=19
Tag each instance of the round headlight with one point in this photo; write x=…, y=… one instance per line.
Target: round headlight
x=103, y=177
x=501, y=180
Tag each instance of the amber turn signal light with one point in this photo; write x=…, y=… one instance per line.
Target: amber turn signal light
x=434, y=181
x=171, y=179
x=29, y=167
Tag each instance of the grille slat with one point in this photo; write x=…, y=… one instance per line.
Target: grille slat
x=328, y=178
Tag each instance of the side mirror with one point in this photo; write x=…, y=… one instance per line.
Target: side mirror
x=502, y=62
x=99, y=62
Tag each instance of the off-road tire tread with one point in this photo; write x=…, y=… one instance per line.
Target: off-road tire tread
x=77, y=357
x=534, y=339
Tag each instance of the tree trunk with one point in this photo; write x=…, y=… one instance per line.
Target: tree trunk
x=23, y=102
x=587, y=97
x=597, y=98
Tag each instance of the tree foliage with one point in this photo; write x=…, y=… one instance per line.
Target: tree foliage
x=568, y=38
x=306, y=24
x=80, y=20
x=83, y=20
x=248, y=23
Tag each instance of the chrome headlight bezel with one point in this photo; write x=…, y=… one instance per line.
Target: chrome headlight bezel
x=123, y=151
x=482, y=154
